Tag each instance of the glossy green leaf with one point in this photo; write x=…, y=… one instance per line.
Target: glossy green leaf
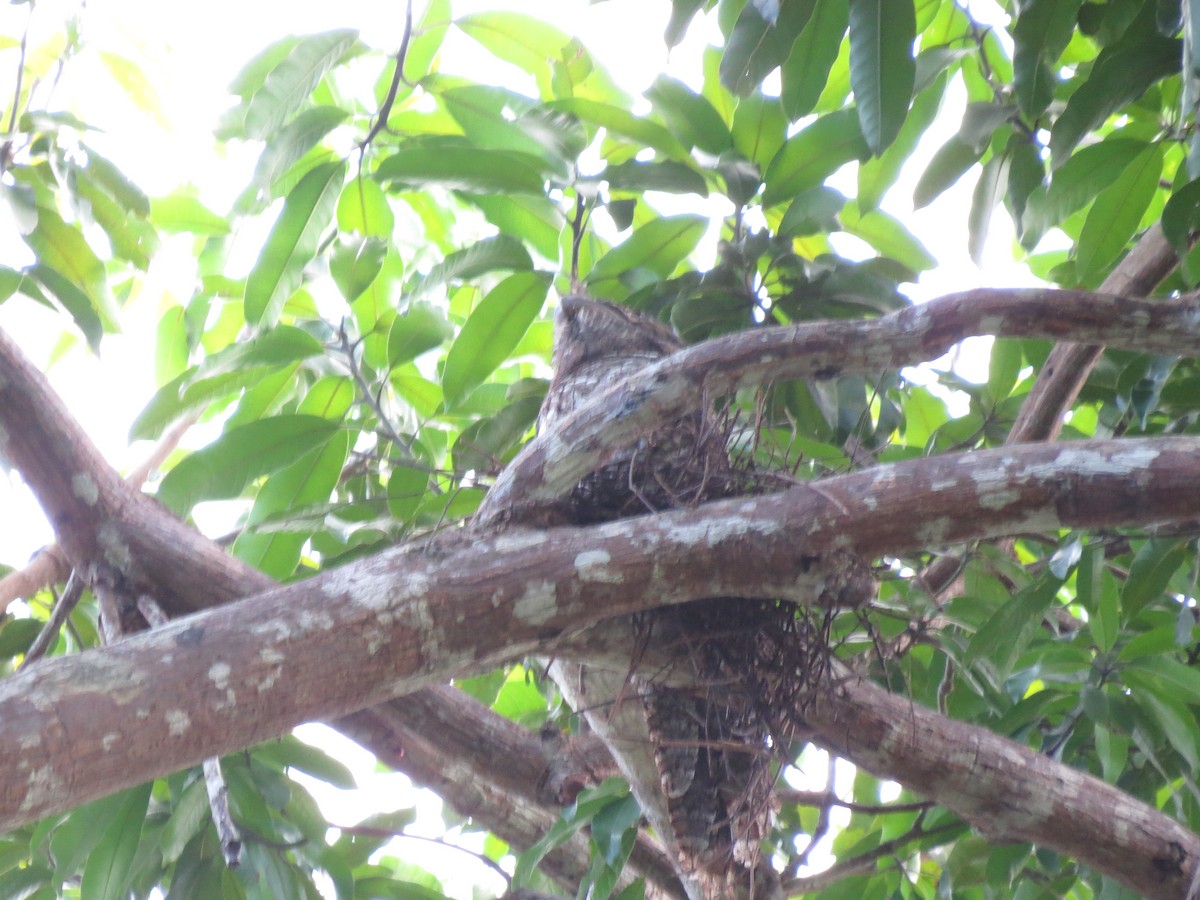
x=292, y=243
x=689, y=116
x=812, y=155
x=1008, y=631
x=525, y=41
x=421, y=327
x=363, y=208
x=183, y=213
x=406, y=488
x=759, y=128
x=74, y=300
x=1120, y=75
x=1172, y=676
x=1042, y=31
x=882, y=68
x=757, y=45
x=280, y=86
x=1076, y=182
x=1153, y=566
x=876, y=175
x=462, y=167
x=288, y=145
x=491, y=332
x=498, y=253
x=660, y=245
x=887, y=235
x=226, y=467
x=812, y=211
x=948, y=164
x=620, y=121
x=191, y=813
x=62, y=249
x=806, y=70
x=671, y=177
x=106, y=875
x=989, y=191
x=1117, y=213
x=290, y=752
x=534, y=219
x=354, y=264
x=307, y=482
x=1181, y=217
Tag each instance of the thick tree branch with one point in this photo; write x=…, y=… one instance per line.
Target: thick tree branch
x=551, y=465
x=73, y=728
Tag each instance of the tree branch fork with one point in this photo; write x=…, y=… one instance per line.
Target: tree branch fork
x=74, y=728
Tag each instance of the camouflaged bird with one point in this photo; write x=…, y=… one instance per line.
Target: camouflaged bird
x=714, y=766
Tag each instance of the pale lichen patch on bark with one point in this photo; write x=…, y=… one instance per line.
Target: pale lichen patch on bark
x=999, y=499
x=315, y=620
x=114, y=546
x=593, y=565
x=41, y=787
x=30, y=740
x=84, y=487
x=1120, y=462
x=178, y=722
x=538, y=604
x=109, y=740
x=218, y=674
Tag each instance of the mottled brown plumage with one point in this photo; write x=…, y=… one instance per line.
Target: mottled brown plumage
x=713, y=759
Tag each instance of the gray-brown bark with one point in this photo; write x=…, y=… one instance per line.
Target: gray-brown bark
x=1132, y=481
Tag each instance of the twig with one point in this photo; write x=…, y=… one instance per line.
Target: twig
x=385, y=109
x=373, y=831
x=62, y=609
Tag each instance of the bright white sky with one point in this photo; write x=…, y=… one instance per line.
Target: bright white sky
x=190, y=53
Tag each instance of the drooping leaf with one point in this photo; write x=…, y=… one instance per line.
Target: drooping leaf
x=275, y=86
x=523, y=40
x=672, y=177
x=491, y=332
x=887, y=235
x=1117, y=212
x=106, y=875
x=184, y=213
x=462, y=167
x=225, y=467
x=1042, y=31
x=813, y=154
x=659, y=245
x=491, y=254
x=354, y=264
x=760, y=43
x=806, y=70
x=882, y=68
x=421, y=327
x=287, y=145
x=690, y=117
x=622, y=122
x=363, y=207
x=292, y=243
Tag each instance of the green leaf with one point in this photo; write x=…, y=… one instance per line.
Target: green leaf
x=690, y=117
x=806, y=70
x=353, y=265
x=948, y=164
x=757, y=46
x=1008, y=631
x=887, y=235
x=882, y=68
x=63, y=249
x=226, y=467
x=1171, y=677
x=670, y=177
x=106, y=875
x=190, y=814
x=527, y=42
x=989, y=190
x=461, y=167
x=406, y=488
x=1120, y=75
x=1117, y=213
x=1150, y=573
x=498, y=252
x=421, y=327
x=363, y=208
x=491, y=332
x=290, y=752
x=293, y=69
x=660, y=245
x=1042, y=31
x=759, y=128
x=1076, y=182
x=292, y=243
x=616, y=120
x=813, y=154
x=16, y=635
x=812, y=212
x=288, y=145
x=876, y=175
x=183, y=213
x=307, y=482
x=1181, y=217
x=529, y=217
x=77, y=303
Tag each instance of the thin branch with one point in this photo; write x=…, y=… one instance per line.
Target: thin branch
x=385, y=110
x=62, y=610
